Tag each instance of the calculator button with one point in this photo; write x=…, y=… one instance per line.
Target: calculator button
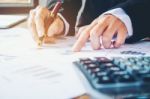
x=105, y=80
x=90, y=66
x=85, y=61
x=146, y=77
x=118, y=60
x=109, y=65
x=103, y=60
x=118, y=74
x=100, y=74
x=94, y=70
x=126, y=78
x=140, y=73
x=114, y=69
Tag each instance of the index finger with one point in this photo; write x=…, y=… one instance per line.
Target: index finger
x=32, y=27
x=84, y=36
x=80, y=42
x=41, y=15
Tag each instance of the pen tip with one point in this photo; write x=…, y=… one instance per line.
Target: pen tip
x=39, y=43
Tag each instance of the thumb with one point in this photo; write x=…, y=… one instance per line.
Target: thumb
x=56, y=28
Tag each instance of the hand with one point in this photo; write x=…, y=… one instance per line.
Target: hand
x=104, y=28
x=38, y=23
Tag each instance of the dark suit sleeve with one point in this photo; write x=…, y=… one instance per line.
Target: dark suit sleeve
x=93, y=9
x=69, y=11
x=138, y=11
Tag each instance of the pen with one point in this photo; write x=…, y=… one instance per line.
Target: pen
x=52, y=17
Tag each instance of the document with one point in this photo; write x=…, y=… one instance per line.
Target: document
x=28, y=79
x=29, y=72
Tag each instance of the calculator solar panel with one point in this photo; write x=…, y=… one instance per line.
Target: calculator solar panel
x=117, y=75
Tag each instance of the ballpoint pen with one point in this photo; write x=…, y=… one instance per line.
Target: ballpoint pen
x=52, y=17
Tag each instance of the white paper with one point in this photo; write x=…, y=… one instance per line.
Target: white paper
x=30, y=79
x=29, y=72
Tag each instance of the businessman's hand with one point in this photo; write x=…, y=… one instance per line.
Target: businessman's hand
x=38, y=23
x=104, y=28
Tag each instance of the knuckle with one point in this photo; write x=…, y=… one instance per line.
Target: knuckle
x=110, y=19
x=107, y=16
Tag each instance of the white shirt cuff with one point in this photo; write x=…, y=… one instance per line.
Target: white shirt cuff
x=120, y=13
x=67, y=26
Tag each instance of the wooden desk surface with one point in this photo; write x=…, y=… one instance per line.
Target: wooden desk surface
x=24, y=25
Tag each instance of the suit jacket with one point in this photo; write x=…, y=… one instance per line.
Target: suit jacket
x=138, y=11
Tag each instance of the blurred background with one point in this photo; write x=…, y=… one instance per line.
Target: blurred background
x=13, y=12
x=19, y=6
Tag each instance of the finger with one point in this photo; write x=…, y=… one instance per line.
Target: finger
x=108, y=34
x=56, y=27
x=32, y=26
x=121, y=36
x=84, y=36
x=96, y=32
x=81, y=41
x=41, y=14
x=81, y=29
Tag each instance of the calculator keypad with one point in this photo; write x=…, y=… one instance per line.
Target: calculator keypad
x=117, y=72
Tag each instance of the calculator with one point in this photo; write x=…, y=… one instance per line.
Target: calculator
x=117, y=75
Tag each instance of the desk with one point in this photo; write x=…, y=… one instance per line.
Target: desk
x=114, y=52
x=24, y=25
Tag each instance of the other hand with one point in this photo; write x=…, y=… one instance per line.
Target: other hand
x=103, y=28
